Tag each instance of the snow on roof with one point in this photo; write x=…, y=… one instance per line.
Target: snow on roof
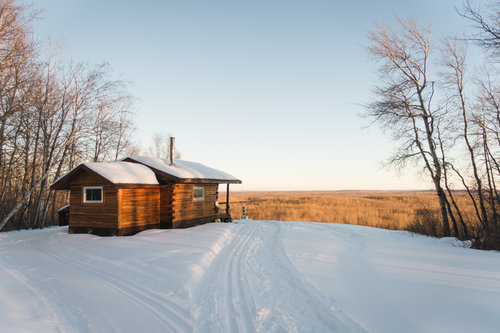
x=123, y=172
x=184, y=169
x=62, y=208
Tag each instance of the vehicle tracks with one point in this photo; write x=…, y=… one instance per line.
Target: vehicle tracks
x=170, y=315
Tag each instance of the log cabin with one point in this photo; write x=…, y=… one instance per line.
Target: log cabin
x=139, y=193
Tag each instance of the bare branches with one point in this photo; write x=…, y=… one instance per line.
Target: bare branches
x=17, y=49
x=456, y=137
x=487, y=27
x=53, y=114
x=403, y=53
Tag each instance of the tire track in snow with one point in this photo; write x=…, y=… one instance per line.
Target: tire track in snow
x=253, y=286
x=52, y=293
x=43, y=307
x=319, y=306
x=234, y=281
x=227, y=301
x=285, y=300
x=171, y=315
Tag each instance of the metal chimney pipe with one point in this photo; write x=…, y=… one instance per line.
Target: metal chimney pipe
x=172, y=151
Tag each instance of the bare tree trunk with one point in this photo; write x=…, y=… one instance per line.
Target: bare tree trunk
x=33, y=170
x=21, y=203
x=459, y=213
x=492, y=195
x=8, y=172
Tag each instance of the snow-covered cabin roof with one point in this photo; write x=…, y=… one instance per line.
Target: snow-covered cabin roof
x=147, y=171
x=124, y=172
x=119, y=172
x=184, y=171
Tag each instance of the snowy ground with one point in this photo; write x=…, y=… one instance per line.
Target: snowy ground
x=250, y=276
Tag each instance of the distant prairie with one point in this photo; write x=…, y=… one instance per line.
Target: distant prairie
x=412, y=210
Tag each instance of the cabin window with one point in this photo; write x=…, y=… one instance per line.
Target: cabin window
x=198, y=193
x=92, y=194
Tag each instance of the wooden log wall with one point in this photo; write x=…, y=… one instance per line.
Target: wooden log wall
x=133, y=208
x=139, y=207
x=185, y=209
x=93, y=215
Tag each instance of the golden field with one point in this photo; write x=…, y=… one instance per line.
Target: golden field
x=381, y=209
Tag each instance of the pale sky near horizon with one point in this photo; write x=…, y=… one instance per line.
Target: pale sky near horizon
x=269, y=91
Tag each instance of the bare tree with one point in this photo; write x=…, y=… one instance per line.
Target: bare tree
x=484, y=117
x=487, y=121
x=404, y=101
x=454, y=80
x=17, y=66
x=17, y=50
x=61, y=117
x=161, y=146
x=53, y=115
x=111, y=123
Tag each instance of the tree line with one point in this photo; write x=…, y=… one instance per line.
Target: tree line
x=54, y=114
x=445, y=115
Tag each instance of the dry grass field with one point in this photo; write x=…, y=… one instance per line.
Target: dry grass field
x=381, y=209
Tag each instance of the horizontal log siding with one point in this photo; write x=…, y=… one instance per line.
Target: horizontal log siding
x=93, y=215
x=185, y=209
x=139, y=207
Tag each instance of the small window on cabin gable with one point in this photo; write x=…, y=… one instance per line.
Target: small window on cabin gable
x=92, y=194
x=198, y=193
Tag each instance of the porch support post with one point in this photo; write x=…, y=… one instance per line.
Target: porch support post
x=227, y=199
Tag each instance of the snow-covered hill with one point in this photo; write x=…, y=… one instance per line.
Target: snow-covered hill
x=250, y=276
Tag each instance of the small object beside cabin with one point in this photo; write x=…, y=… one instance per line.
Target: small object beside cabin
x=63, y=215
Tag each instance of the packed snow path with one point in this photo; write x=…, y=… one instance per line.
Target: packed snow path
x=252, y=286
x=251, y=276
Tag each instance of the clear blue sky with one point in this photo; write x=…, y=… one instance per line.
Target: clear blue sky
x=269, y=91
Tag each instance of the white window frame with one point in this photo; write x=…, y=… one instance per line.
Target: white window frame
x=85, y=188
x=202, y=193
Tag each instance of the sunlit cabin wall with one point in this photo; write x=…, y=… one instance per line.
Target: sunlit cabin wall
x=139, y=209
x=92, y=215
x=188, y=212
